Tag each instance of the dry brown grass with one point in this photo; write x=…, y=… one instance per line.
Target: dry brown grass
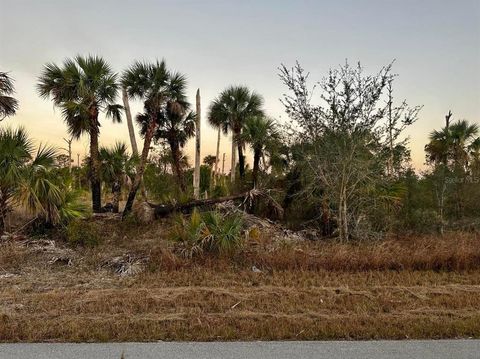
x=454, y=252
x=400, y=288
x=13, y=257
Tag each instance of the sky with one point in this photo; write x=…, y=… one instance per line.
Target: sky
x=435, y=44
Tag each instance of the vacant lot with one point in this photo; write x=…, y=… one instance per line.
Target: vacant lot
x=132, y=287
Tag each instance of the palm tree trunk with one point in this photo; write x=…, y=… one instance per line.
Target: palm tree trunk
x=95, y=170
x=177, y=166
x=141, y=166
x=196, y=173
x=116, y=191
x=256, y=164
x=131, y=130
x=217, y=158
x=233, y=162
x=241, y=160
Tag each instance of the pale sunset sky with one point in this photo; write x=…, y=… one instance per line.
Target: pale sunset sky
x=436, y=44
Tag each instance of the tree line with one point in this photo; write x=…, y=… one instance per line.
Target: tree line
x=340, y=164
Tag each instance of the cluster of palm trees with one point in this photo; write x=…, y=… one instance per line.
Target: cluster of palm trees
x=27, y=177
x=454, y=152
x=26, y=174
x=86, y=87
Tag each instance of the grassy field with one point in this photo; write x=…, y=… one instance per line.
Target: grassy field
x=412, y=287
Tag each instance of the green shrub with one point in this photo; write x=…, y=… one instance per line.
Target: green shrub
x=211, y=232
x=83, y=233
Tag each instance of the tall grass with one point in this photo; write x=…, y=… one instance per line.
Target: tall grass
x=453, y=252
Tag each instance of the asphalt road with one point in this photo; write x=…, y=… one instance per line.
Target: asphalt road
x=424, y=349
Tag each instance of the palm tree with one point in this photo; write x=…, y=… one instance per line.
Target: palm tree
x=229, y=111
x=156, y=87
x=450, y=149
x=176, y=128
x=474, y=149
x=15, y=152
x=40, y=190
x=463, y=135
x=260, y=133
x=210, y=160
x=116, y=165
x=8, y=104
x=83, y=87
x=451, y=144
x=27, y=178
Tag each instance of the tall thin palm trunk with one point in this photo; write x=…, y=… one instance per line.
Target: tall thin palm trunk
x=233, y=161
x=131, y=130
x=116, y=192
x=95, y=182
x=141, y=166
x=241, y=160
x=131, y=133
x=217, y=158
x=256, y=164
x=196, y=174
x=441, y=196
x=177, y=167
x=223, y=163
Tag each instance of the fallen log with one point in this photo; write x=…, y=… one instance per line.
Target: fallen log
x=163, y=210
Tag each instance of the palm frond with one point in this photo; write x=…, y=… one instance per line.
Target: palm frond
x=45, y=156
x=233, y=106
x=81, y=87
x=114, y=112
x=8, y=104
